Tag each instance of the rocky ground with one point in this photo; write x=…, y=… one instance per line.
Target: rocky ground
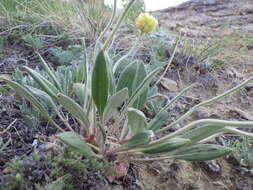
x=217, y=45
x=224, y=29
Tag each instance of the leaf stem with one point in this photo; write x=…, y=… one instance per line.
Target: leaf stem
x=110, y=22
x=169, y=63
x=130, y=52
x=116, y=27
x=187, y=114
x=152, y=159
x=202, y=122
x=239, y=132
x=56, y=125
x=64, y=120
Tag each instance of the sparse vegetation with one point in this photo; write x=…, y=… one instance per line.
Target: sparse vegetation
x=243, y=152
x=76, y=87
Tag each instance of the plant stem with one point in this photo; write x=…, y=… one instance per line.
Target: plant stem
x=170, y=61
x=131, y=51
x=64, y=120
x=216, y=122
x=110, y=22
x=7, y=128
x=187, y=114
x=124, y=130
x=114, y=144
x=116, y=27
x=132, y=151
x=176, y=98
x=135, y=95
x=93, y=146
x=57, y=126
x=239, y=132
x=152, y=159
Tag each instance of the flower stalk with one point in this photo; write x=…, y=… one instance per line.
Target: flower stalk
x=203, y=122
x=130, y=53
x=187, y=114
x=110, y=22
x=117, y=25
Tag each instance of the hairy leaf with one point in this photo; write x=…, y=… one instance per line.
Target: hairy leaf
x=143, y=86
x=100, y=83
x=46, y=85
x=76, y=142
x=140, y=139
x=112, y=82
x=114, y=102
x=136, y=121
x=44, y=97
x=198, y=134
x=170, y=145
x=80, y=90
x=202, y=152
x=25, y=93
x=50, y=72
x=158, y=121
x=71, y=106
x=131, y=77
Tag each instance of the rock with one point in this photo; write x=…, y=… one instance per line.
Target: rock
x=169, y=84
x=212, y=168
x=7, y=170
x=155, y=168
x=117, y=187
x=244, y=184
x=248, y=28
x=220, y=185
x=198, y=5
x=190, y=186
x=200, y=114
x=232, y=72
x=241, y=113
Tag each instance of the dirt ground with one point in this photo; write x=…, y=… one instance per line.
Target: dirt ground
x=228, y=22
x=205, y=22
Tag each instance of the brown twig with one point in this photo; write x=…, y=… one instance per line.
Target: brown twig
x=11, y=124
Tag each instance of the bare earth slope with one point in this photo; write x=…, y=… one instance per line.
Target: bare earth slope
x=224, y=29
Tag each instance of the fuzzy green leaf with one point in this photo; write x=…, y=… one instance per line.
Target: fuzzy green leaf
x=141, y=73
x=44, y=97
x=50, y=72
x=140, y=139
x=25, y=93
x=131, y=77
x=201, y=133
x=136, y=121
x=100, y=83
x=202, y=152
x=112, y=83
x=143, y=86
x=114, y=102
x=170, y=145
x=79, y=90
x=76, y=110
x=127, y=77
x=76, y=142
x=159, y=120
x=44, y=83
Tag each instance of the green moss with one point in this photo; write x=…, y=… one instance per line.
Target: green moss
x=102, y=166
x=15, y=165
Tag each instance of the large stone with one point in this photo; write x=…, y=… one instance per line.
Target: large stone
x=169, y=84
x=248, y=28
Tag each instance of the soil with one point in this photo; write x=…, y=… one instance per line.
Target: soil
x=200, y=20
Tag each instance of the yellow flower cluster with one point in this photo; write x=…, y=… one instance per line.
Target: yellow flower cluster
x=146, y=23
